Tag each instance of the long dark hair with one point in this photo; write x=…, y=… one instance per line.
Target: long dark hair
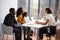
x=19, y=11
x=48, y=10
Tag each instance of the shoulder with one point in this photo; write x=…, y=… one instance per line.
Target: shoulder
x=7, y=15
x=20, y=16
x=49, y=15
x=25, y=18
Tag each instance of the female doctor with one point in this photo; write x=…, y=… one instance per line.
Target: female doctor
x=50, y=20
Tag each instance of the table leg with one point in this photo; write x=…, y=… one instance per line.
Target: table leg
x=22, y=38
x=37, y=34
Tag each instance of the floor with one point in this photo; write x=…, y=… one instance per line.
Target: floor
x=58, y=32
x=10, y=37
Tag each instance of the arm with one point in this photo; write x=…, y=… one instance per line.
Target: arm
x=20, y=19
x=43, y=23
x=8, y=21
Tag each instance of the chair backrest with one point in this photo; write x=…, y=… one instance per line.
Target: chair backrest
x=1, y=32
x=7, y=29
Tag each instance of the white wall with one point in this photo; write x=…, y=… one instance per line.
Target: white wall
x=4, y=7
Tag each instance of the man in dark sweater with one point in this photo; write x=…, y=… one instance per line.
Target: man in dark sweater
x=10, y=21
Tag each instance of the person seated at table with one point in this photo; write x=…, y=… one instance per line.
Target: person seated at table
x=27, y=29
x=10, y=21
x=20, y=15
x=50, y=20
x=20, y=19
x=26, y=17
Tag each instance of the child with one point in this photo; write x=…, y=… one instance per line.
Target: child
x=26, y=19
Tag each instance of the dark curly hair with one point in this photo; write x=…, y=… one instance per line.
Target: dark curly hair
x=11, y=9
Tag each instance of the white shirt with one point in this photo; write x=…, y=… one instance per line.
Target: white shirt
x=51, y=19
x=26, y=19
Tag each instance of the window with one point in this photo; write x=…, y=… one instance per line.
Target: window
x=43, y=4
x=36, y=8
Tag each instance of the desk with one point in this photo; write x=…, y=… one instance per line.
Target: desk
x=32, y=24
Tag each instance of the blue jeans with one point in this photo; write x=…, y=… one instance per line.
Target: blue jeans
x=17, y=32
x=26, y=31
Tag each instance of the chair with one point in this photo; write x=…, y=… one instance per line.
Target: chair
x=50, y=32
x=7, y=30
x=1, y=33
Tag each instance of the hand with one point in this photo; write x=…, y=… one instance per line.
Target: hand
x=37, y=22
x=16, y=25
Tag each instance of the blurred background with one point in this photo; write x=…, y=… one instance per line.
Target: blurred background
x=34, y=8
